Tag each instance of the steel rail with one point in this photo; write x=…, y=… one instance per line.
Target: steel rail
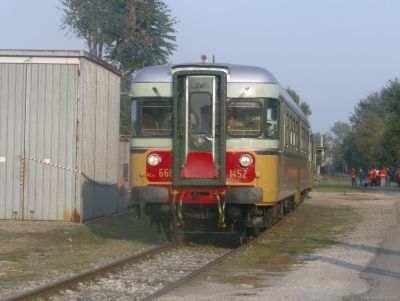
x=208, y=266
x=53, y=288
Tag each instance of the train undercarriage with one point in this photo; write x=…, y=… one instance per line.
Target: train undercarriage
x=244, y=221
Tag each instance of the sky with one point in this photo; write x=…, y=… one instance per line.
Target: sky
x=333, y=53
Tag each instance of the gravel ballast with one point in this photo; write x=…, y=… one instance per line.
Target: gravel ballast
x=332, y=273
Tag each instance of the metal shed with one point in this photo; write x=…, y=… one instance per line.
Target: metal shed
x=59, y=135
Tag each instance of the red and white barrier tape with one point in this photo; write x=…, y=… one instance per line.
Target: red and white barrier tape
x=46, y=162
x=21, y=172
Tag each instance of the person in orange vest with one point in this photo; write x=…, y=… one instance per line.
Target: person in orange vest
x=373, y=177
x=353, y=177
x=382, y=174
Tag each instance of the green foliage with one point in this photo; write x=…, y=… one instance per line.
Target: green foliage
x=304, y=106
x=129, y=34
x=125, y=106
x=91, y=20
x=374, y=138
x=293, y=94
x=391, y=133
x=146, y=36
x=336, y=146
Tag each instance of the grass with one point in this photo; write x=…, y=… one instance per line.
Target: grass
x=336, y=185
x=340, y=184
x=310, y=228
x=67, y=248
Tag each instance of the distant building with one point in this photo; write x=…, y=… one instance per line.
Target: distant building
x=320, y=156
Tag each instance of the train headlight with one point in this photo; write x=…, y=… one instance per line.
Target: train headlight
x=153, y=160
x=245, y=160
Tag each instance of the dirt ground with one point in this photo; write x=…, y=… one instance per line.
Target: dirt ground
x=334, y=272
x=35, y=253
x=319, y=253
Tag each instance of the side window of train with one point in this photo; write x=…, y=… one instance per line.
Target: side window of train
x=272, y=118
x=156, y=118
x=287, y=128
x=297, y=134
x=244, y=118
x=134, y=125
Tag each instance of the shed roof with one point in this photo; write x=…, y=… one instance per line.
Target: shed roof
x=57, y=54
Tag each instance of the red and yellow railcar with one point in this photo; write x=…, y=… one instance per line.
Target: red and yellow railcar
x=217, y=147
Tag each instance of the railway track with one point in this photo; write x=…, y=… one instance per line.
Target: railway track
x=144, y=276
x=51, y=289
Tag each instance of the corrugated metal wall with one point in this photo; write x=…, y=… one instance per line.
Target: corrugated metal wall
x=59, y=126
x=51, y=101
x=12, y=110
x=38, y=113
x=99, y=125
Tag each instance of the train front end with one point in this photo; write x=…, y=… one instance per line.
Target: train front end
x=195, y=147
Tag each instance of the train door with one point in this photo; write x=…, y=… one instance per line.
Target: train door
x=199, y=128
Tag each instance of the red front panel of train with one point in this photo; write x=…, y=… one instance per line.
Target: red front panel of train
x=235, y=173
x=163, y=171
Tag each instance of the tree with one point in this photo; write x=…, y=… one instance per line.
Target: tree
x=374, y=137
x=293, y=94
x=90, y=20
x=125, y=106
x=391, y=132
x=146, y=37
x=130, y=34
x=338, y=133
x=364, y=142
x=305, y=107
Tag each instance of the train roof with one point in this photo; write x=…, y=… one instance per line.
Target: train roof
x=236, y=74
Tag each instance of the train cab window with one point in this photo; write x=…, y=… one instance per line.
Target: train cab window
x=244, y=118
x=272, y=119
x=200, y=112
x=155, y=118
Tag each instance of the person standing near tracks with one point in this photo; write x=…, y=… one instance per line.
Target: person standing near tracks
x=353, y=177
x=373, y=177
x=382, y=174
x=361, y=177
x=398, y=178
x=387, y=179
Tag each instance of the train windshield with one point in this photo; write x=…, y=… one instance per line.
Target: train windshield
x=200, y=112
x=244, y=118
x=152, y=118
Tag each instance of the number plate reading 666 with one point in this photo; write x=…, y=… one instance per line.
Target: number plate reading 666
x=165, y=173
